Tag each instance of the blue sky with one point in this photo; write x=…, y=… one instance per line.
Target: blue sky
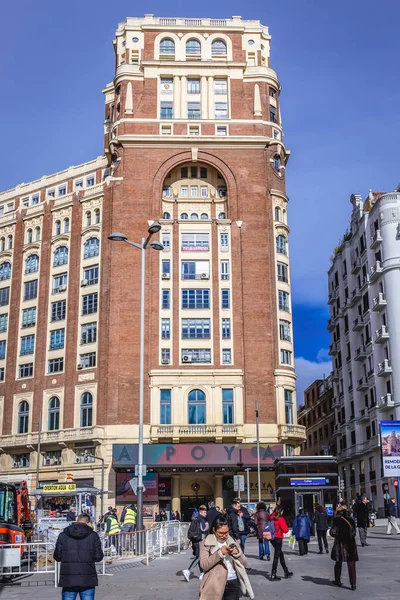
x=338, y=65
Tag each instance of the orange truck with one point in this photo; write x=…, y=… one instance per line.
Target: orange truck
x=15, y=521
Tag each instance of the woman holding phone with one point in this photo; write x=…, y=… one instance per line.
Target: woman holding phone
x=224, y=565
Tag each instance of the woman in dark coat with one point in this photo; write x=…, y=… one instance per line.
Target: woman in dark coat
x=344, y=546
x=261, y=518
x=321, y=525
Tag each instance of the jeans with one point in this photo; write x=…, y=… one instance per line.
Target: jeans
x=322, y=538
x=363, y=535
x=86, y=595
x=232, y=590
x=242, y=542
x=278, y=555
x=303, y=546
x=263, y=548
x=351, y=567
x=392, y=523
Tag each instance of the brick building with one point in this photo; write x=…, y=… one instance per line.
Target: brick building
x=193, y=139
x=318, y=417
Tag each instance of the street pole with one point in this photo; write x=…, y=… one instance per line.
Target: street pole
x=141, y=391
x=102, y=481
x=248, y=486
x=258, y=454
x=38, y=450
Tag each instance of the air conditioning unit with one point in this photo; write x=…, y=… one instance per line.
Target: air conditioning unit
x=204, y=276
x=62, y=288
x=165, y=276
x=78, y=459
x=186, y=358
x=165, y=361
x=84, y=282
x=80, y=366
x=47, y=462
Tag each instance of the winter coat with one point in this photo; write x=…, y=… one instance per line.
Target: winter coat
x=215, y=577
x=344, y=547
x=280, y=526
x=392, y=509
x=302, y=527
x=232, y=515
x=71, y=516
x=212, y=514
x=361, y=513
x=321, y=521
x=261, y=517
x=78, y=548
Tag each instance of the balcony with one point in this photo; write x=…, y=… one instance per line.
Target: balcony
x=333, y=348
x=292, y=433
x=371, y=444
x=364, y=283
x=386, y=402
x=356, y=266
x=358, y=324
x=361, y=353
x=371, y=373
x=336, y=428
x=364, y=415
x=178, y=433
x=385, y=368
x=333, y=295
x=362, y=384
x=381, y=335
x=335, y=375
x=336, y=402
x=376, y=239
x=22, y=440
x=379, y=302
x=375, y=271
x=330, y=326
x=355, y=295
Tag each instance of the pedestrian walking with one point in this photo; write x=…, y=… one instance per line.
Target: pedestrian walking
x=197, y=532
x=344, y=546
x=301, y=531
x=361, y=513
x=78, y=548
x=320, y=519
x=213, y=513
x=239, y=520
x=128, y=519
x=261, y=518
x=224, y=565
x=280, y=529
x=392, y=517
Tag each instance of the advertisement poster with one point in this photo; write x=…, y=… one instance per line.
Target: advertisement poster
x=125, y=492
x=390, y=440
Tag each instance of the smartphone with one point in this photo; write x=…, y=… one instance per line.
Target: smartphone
x=232, y=546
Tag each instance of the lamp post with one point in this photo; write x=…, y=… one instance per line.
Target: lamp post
x=258, y=454
x=39, y=424
x=143, y=246
x=102, y=481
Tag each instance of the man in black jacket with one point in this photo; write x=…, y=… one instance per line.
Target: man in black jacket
x=78, y=548
x=239, y=521
x=361, y=512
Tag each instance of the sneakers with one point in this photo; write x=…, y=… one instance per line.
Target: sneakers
x=186, y=574
x=274, y=577
x=288, y=574
x=326, y=550
x=201, y=576
x=268, y=557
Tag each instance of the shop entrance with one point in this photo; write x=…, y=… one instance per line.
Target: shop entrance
x=189, y=503
x=307, y=501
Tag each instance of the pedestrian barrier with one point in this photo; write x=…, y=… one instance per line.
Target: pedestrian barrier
x=33, y=558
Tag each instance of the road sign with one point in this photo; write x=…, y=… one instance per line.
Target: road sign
x=238, y=483
x=386, y=496
x=144, y=470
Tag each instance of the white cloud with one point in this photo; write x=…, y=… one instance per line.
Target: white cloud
x=308, y=371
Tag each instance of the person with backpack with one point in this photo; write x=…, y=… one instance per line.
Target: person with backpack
x=261, y=518
x=302, y=530
x=280, y=529
x=239, y=520
x=197, y=532
x=321, y=525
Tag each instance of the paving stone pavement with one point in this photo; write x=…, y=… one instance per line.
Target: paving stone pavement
x=377, y=571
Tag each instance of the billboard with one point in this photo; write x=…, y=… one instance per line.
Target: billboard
x=390, y=441
x=125, y=493
x=309, y=481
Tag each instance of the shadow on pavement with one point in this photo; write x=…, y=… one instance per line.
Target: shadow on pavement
x=317, y=580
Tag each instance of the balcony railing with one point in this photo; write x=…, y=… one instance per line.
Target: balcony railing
x=386, y=402
x=385, y=368
x=217, y=432
x=51, y=437
x=376, y=239
x=379, y=302
x=381, y=335
x=360, y=353
x=292, y=432
x=375, y=271
x=358, y=324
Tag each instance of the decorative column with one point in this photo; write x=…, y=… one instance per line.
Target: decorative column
x=183, y=114
x=211, y=98
x=129, y=99
x=177, y=97
x=218, y=491
x=176, y=493
x=204, y=112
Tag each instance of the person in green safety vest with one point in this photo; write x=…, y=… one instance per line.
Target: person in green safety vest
x=112, y=525
x=128, y=518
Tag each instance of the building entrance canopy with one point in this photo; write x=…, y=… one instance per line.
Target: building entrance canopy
x=204, y=455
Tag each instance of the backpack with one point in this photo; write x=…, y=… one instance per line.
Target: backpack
x=195, y=534
x=269, y=531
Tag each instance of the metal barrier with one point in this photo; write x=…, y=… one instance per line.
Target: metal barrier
x=32, y=558
x=124, y=546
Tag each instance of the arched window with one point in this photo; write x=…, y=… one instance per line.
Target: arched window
x=218, y=48
x=222, y=216
x=2, y=244
x=277, y=213
x=60, y=256
x=204, y=216
x=97, y=216
x=66, y=225
x=166, y=215
x=91, y=248
x=5, y=271
x=184, y=216
x=197, y=407
x=88, y=218
x=86, y=409
x=54, y=414
x=10, y=242
x=32, y=264
x=193, y=48
x=281, y=244
x=167, y=46
x=277, y=163
x=37, y=234
x=29, y=236
x=194, y=216
x=57, y=228
x=23, y=417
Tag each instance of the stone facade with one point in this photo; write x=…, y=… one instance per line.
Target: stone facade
x=318, y=417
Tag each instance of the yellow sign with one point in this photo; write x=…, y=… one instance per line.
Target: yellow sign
x=60, y=487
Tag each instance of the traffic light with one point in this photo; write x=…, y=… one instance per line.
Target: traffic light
x=395, y=483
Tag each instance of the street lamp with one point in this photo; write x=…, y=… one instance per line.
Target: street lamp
x=102, y=480
x=143, y=246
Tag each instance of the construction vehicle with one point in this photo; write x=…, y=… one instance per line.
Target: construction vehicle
x=15, y=521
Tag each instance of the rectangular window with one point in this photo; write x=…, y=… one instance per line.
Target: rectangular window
x=2, y=374
x=194, y=130
x=195, y=242
x=184, y=191
x=195, y=269
x=272, y=92
x=165, y=407
x=227, y=406
x=220, y=86
x=195, y=329
x=282, y=272
x=3, y=323
x=166, y=129
x=224, y=242
x=2, y=349
x=165, y=355
x=221, y=191
x=224, y=270
x=165, y=329
x=167, y=191
x=91, y=275
x=27, y=344
x=284, y=331
x=88, y=360
x=25, y=370
x=55, y=365
x=166, y=241
x=222, y=130
x=90, y=181
x=166, y=267
x=193, y=172
x=166, y=299
x=25, y=201
x=272, y=114
x=60, y=283
x=57, y=339
x=89, y=304
x=21, y=461
x=193, y=86
x=58, y=310
x=193, y=110
x=283, y=301
x=184, y=172
x=203, y=172
x=286, y=357
x=79, y=184
x=196, y=355
x=35, y=199
x=166, y=111
x=221, y=110
x=62, y=190
x=289, y=407
x=51, y=193
x=194, y=191
x=226, y=329
x=196, y=298
x=89, y=333
x=225, y=299
x=30, y=290
x=204, y=191
x=226, y=356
